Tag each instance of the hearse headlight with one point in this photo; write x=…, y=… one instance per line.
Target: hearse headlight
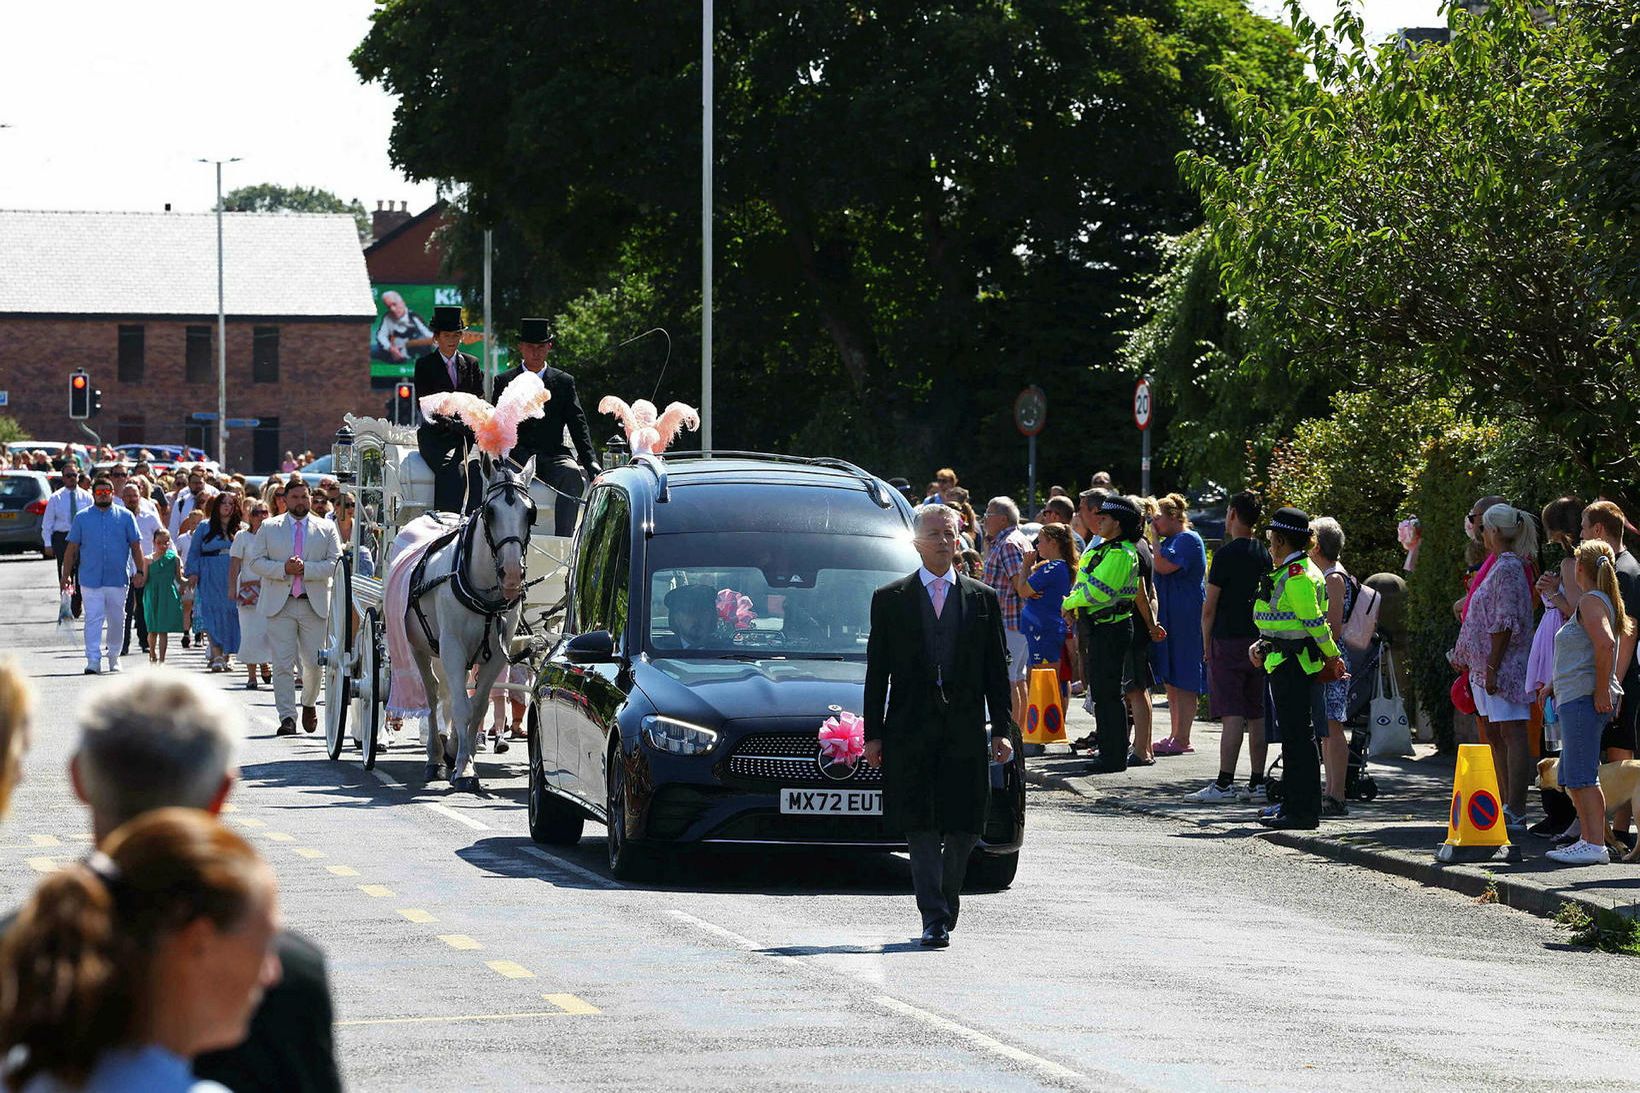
x=676, y=737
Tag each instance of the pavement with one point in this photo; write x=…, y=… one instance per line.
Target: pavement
x=1395, y=833
x=1132, y=951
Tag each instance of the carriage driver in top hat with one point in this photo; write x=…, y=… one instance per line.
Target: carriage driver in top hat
x=548, y=438
x=444, y=442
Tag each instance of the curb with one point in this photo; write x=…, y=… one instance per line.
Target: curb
x=1518, y=893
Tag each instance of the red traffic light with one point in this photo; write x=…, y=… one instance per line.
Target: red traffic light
x=79, y=381
x=404, y=390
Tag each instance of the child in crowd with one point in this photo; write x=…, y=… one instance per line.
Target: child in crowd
x=162, y=596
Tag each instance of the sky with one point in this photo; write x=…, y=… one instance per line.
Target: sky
x=110, y=103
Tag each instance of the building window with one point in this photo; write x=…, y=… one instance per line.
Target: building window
x=131, y=349
x=132, y=428
x=200, y=367
x=265, y=354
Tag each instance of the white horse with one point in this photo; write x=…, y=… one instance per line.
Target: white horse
x=469, y=598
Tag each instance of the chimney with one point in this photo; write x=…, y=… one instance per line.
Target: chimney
x=384, y=220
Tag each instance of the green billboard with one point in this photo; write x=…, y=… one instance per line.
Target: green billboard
x=402, y=330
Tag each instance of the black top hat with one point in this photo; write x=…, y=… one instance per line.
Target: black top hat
x=1291, y=522
x=686, y=596
x=447, y=318
x=535, y=331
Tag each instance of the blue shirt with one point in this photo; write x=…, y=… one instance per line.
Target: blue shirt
x=1042, y=614
x=132, y=1070
x=104, y=537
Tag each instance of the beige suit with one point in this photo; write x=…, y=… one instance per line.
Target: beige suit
x=296, y=624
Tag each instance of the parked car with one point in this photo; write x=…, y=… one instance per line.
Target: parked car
x=23, y=497
x=1207, y=503
x=53, y=448
x=717, y=744
x=166, y=453
x=311, y=474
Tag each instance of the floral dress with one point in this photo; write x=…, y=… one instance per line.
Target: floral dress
x=1502, y=601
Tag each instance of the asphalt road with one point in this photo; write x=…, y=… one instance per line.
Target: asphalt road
x=1128, y=953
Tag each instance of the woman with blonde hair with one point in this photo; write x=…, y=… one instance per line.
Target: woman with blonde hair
x=16, y=706
x=122, y=968
x=1586, y=693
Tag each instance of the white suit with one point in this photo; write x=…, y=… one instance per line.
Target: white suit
x=296, y=623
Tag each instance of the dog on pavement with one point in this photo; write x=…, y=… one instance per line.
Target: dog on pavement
x=1619, y=784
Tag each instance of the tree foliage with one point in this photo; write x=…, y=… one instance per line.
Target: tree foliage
x=1410, y=223
x=920, y=207
x=269, y=197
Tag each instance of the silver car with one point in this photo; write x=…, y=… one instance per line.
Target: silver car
x=23, y=497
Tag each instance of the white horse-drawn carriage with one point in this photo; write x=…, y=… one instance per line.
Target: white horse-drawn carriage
x=378, y=465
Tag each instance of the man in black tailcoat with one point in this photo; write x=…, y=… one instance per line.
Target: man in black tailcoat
x=936, y=660
x=444, y=442
x=543, y=437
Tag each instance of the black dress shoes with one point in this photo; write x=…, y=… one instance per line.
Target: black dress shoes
x=1288, y=823
x=936, y=937
x=287, y=727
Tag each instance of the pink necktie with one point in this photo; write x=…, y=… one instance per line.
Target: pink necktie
x=301, y=541
x=939, y=596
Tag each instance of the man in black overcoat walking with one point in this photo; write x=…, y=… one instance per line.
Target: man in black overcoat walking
x=936, y=660
x=443, y=442
x=542, y=438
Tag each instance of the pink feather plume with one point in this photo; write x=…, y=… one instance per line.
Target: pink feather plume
x=472, y=410
x=525, y=397
x=648, y=430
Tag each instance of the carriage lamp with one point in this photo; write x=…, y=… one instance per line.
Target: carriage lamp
x=615, y=452
x=678, y=737
x=341, y=453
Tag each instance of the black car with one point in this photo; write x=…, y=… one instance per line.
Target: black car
x=718, y=614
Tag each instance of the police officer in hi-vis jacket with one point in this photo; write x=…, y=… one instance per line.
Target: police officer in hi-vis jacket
x=1107, y=582
x=1297, y=651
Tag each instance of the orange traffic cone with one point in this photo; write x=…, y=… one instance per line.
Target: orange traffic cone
x=1475, y=829
x=1044, y=715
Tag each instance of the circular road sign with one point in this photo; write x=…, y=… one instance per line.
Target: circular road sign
x=1141, y=404
x=1031, y=410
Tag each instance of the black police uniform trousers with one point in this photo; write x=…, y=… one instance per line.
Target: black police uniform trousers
x=1299, y=713
x=59, y=544
x=1104, y=652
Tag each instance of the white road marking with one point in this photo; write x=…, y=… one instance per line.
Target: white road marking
x=971, y=1036
x=443, y=810
x=385, y=778
x=980, y=1040
x=570, y=867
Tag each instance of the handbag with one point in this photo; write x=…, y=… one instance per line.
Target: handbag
x=1391, y=730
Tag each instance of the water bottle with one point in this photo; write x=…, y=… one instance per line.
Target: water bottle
x=1551, y=724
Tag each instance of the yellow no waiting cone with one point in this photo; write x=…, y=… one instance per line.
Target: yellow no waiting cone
x=1475, y=827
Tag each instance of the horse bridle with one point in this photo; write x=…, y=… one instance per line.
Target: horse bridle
x=513, y=488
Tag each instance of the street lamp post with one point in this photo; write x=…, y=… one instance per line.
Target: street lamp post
x=706, y=226
x=221, y=328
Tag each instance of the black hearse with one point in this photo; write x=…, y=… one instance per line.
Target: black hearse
x=718, y=613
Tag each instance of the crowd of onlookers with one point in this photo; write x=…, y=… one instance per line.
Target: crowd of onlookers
x=1544, y=661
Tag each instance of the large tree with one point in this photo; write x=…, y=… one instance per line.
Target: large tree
x=1412, y=224
x=270, y=197
x=920, y=206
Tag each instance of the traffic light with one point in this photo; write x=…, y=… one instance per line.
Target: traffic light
x=404, y=404
x=79, y=395
x=96, y=401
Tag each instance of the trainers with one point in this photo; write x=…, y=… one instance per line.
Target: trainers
x=1331, y=807
x=1269, y=813
x=1581, y=853
x=1511, y=819
x=1212, y=794
x=1255, y=795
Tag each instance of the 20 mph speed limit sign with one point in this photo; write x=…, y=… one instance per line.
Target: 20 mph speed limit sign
x=1141, y=404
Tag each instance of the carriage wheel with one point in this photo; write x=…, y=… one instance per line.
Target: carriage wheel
x=370, y=689
x=338, y=655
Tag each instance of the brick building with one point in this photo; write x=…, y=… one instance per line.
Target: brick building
x=131, y=298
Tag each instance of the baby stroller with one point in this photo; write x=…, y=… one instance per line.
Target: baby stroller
x=1358, y=784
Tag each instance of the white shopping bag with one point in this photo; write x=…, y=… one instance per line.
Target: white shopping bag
x=1391, y=731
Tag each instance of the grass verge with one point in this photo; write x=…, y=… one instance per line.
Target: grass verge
x=1607, y=931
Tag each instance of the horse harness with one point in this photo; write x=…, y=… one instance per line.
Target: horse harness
x=480, y=601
